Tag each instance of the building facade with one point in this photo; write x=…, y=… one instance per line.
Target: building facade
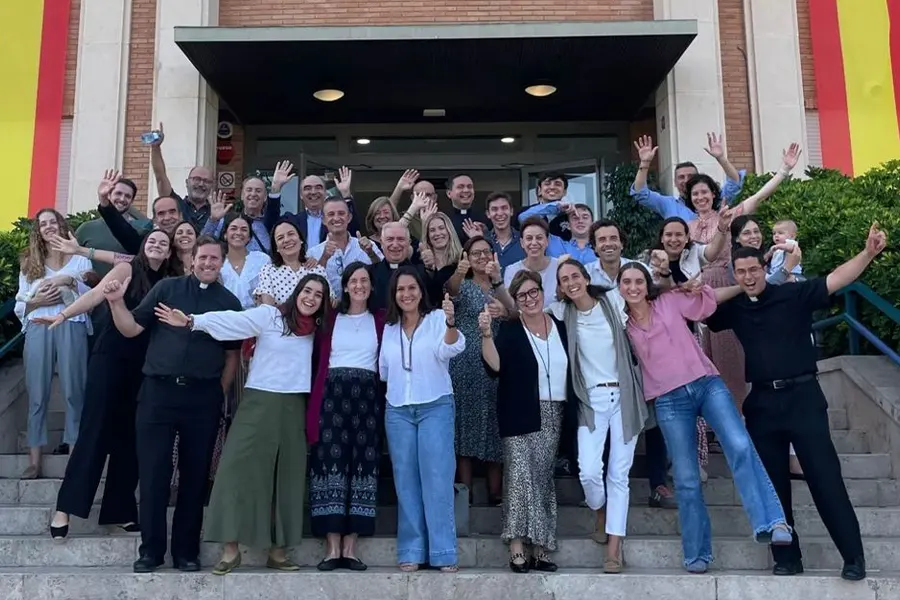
x=438, y=86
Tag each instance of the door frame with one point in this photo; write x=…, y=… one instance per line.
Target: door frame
x=599, y=166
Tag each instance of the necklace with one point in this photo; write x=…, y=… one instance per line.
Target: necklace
x=545, y=363
x=587, y=313
x=405, y=360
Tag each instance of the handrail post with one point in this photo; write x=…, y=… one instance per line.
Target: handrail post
x=850, y=308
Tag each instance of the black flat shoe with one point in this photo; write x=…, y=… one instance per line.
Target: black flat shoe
x=542, y=564
x=854, y=571
x=147, y=564
x=329, y=564
x=521, y=567
x=59, y=533
x=61, y=450
x=129, y=528
x=188, y=565
x=788, y=569
x=354, y=564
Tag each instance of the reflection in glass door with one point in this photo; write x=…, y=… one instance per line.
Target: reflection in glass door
x=584, y=179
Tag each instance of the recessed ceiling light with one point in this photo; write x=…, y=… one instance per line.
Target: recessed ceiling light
x=434, y=112
x=540, y=90
x=328, y=94
x=363, y=141
x=508, y=139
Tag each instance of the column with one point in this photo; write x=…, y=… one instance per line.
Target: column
x=182, y=100
x=690, y=103
x=777, y=106
x=101, y=87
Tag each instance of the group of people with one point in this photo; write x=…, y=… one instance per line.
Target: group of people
x=472, y=341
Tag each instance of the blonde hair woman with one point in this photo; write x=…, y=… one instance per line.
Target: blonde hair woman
x=48, y=282
x=442, y=252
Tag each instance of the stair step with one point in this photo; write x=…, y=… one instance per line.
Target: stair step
x=488, y=520
x=390, y=584
x=658, y=552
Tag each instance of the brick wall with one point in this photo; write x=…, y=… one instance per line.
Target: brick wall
x=732, y=41
x=71, y=59
x=236, y=13
x=140, y=95
x=806, y=55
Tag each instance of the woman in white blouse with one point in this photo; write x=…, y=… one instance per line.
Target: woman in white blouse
x=240, y=272
x=48, y=282
x=416, y=349
x=289, y=265
x=345, y=428
x=607, y=383
x=261, y=480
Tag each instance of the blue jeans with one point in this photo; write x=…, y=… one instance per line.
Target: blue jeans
x=677, y=413
x=420, y=441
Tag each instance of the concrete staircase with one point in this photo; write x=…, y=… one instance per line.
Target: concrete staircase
x=96, y=564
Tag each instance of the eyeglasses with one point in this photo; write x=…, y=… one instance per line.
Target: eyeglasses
x=530, y=294
x=479, y=253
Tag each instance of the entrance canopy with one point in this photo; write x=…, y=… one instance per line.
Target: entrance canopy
x=476, y=73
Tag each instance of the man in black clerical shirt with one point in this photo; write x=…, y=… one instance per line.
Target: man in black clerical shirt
x=186, y=374
x=786, y=405
x=461, y=192
x=397, y=250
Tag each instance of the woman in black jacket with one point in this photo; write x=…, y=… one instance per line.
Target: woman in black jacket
x=534, y=396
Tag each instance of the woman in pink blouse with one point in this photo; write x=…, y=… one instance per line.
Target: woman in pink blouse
x=685, y=385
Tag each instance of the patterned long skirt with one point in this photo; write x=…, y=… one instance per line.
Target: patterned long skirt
x=529, y=488
x=343, y=466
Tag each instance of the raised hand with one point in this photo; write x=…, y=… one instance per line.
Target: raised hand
x=659, y=260
x=171, y=316
x=342, y=181
x=282, y=175
x=485, y=321
x=427, y=256
x=408, y=179
x=791, y=156
x=114, y=290
x=364, y=243
x=645, y=148
x=463, y=266
x=219, y=206
x=566, y=207
x=162, y=135
x=66, y=245
x=110, y=178
x=496, y=309
x=494, y=270
x=792, y=257
x=715, y=145
x=449, y=309
x=726, y=216
x=877, y=240
x=472, y=229
x=419, y=202
x=431, y=208
x=331, y=247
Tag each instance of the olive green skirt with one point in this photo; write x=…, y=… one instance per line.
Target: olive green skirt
x=260, y=488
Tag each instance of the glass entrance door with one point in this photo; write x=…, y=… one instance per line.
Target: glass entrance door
x=305, y=166
x=584, y=178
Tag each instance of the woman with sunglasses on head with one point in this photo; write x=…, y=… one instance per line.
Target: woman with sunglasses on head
x=261, y=479
x=345, y=426
x=529, y=358
x=416, y=350
x=684, y=385
x=608, y=385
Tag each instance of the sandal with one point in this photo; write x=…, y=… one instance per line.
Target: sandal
x=613, y=565
x=409, y=567
x=32, y=472
x=543, y=563
x=450, y=569
x=519, y=567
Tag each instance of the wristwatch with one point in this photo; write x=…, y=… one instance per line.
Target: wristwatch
x=496, y=284
x=190, y=322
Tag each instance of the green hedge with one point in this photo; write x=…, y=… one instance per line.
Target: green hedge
x=833, y=214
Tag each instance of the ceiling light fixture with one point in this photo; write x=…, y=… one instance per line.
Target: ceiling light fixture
x=540, y=90
x=508, y=139
x=328, y=94
x=363, y=141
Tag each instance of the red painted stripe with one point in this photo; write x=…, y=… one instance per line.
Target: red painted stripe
x=48, y=112
x=831, y=90
x=894, y=15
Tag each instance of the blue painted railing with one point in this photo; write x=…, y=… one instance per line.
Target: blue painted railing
x=6, y=309
x=857, y=330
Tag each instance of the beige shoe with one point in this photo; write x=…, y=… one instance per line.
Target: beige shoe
x=32, y=472
x=613, y=566
x=600, y=536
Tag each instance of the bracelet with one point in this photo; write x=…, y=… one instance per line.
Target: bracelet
x=495, y=285
x=450, y=325
x=190, y=322
x=90, y=254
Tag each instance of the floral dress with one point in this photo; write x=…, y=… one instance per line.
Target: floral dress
x=477, y=433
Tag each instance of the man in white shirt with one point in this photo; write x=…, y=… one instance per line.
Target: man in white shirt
x=340, y=248
x=534, y=240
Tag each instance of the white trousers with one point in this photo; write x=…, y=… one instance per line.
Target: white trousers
x=607, y=419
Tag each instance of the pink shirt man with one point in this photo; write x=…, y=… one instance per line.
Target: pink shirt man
x=668, y=352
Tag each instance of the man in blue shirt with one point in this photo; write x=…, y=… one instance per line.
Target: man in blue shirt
x=679, y=206
x=580, y=217
x=503, y=237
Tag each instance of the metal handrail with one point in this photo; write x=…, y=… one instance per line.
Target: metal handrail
x=856, y=330
x=5, y=309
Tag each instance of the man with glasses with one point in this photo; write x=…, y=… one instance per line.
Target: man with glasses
x=340, y=248
x=199, y=185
